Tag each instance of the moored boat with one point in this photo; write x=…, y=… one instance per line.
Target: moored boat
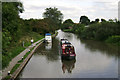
x=48, y=38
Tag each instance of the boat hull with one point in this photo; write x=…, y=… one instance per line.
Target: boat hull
x=67, y=57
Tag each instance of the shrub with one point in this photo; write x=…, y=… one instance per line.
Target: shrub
x=114, y=39
x=101, y=34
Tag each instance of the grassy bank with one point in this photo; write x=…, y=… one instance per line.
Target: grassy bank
x=17, y=47
x=21, y=61
x=115, y=40
x=18, y=64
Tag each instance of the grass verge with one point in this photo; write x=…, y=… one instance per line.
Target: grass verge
x=18, y=64
x=6, y=78
x=17, y=47
x=14, y=68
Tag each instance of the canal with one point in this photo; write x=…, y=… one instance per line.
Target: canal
x=93, y=60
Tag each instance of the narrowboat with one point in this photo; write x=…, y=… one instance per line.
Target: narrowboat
x=48, y=38
x=67, y=50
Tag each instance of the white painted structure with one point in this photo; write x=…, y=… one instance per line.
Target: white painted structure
x=48, y=37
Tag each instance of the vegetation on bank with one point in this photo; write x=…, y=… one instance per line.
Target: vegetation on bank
x=114, y=40
x=14, y=68
x=17, y=65
x=107, y=31
x=16, y=31
x=18, y=47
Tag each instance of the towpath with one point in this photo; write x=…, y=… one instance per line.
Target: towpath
x=14, y=61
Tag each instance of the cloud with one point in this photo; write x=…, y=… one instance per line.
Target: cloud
x=72, y=9
x=119, y=10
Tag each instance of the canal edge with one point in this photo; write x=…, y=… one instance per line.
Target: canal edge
x=23, y=64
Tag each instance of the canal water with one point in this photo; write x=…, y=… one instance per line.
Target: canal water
x=93, y=60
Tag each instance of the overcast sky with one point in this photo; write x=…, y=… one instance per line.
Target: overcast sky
x=72, y=9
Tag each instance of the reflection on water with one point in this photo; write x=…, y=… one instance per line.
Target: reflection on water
x=107, y=49
x=93, y=60
x=68, y=65
x=50, y=50
x=48, y=46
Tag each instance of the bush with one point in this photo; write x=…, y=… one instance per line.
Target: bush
x=89, y=32
x=101, y=34
x=100, y=31
x=114, y=39
x=78, y=28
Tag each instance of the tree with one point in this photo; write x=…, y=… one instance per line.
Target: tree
x=68, y=21
x=11, y=29
x=97, y=20
x=11, y=26
x=103, y=20
x=110, y=20
x=54, y=14
x=84, y=20
x=10, y=18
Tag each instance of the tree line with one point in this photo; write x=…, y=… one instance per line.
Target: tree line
x=107, y=31
x=14, y=28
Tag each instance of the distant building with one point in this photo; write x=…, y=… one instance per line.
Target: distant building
x=77, y=23
x=70, y=27
x=119, y=10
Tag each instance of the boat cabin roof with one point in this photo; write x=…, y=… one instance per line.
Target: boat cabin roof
x=66, y=42
x=47, y=34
